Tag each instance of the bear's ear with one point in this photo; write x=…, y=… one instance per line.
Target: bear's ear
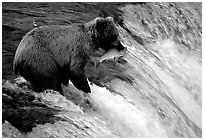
x=109, y=19
x=99, y=20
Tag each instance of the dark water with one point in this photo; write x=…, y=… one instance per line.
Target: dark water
x=155, y=90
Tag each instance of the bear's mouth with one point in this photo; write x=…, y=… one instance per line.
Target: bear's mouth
x=112, y=54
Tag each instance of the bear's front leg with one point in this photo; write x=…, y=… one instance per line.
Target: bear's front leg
x=80, y=81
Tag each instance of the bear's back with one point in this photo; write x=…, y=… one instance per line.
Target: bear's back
x=50, y=36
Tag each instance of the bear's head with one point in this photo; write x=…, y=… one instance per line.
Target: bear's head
x=104, y=34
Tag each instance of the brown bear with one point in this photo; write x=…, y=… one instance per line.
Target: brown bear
x=50, y=55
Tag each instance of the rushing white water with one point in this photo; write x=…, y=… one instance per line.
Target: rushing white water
x=164, y=99
x=126, y=118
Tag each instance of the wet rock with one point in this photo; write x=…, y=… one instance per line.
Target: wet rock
x=47, y=114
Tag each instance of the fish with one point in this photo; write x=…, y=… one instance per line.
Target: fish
x=112, y=54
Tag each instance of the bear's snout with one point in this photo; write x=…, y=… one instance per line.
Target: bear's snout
x=120, y=47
